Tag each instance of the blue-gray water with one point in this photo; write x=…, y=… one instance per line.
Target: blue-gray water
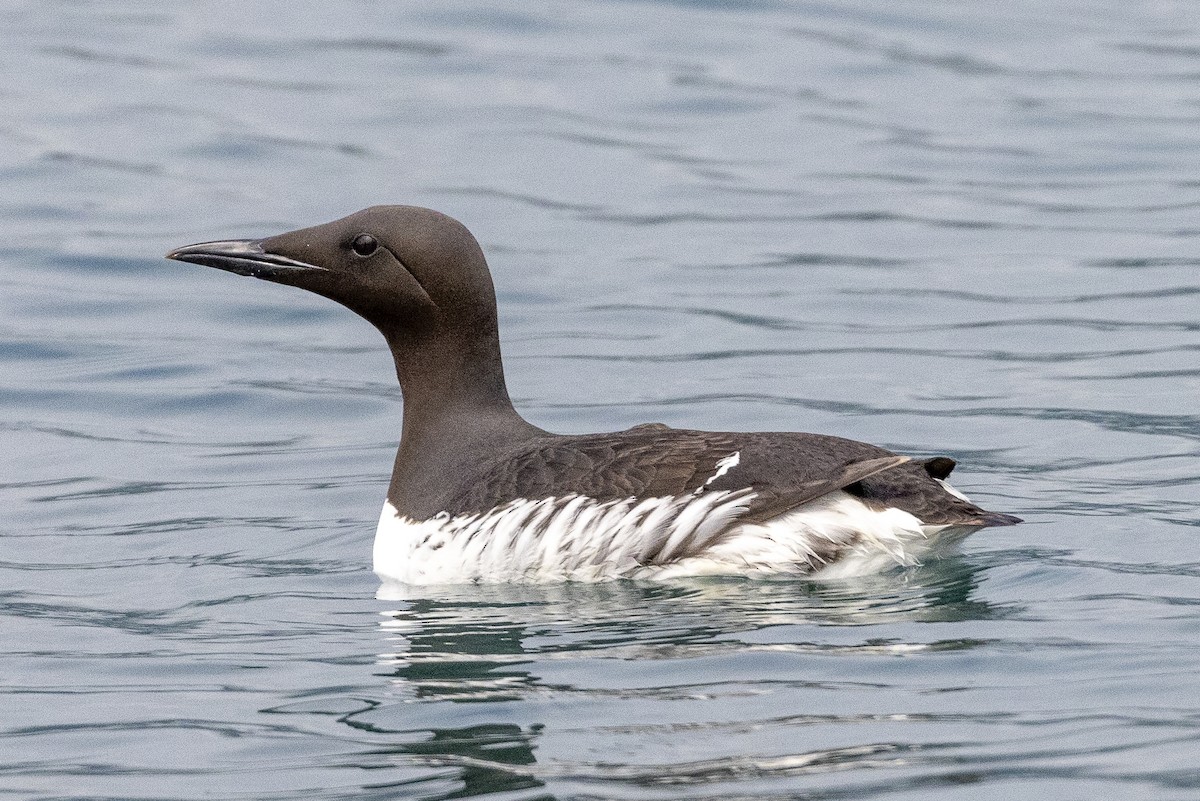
x=970, y=229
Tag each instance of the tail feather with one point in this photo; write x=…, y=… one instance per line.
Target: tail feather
x=918, y=488
x=998, y=519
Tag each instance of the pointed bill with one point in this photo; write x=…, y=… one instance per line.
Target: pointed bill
x=241, y=256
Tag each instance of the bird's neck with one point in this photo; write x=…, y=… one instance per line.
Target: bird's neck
x=456, y=409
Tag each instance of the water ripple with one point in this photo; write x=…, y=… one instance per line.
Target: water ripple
x=920, y=226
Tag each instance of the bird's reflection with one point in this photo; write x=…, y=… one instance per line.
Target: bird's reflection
x=489, y=757
x=467, y=663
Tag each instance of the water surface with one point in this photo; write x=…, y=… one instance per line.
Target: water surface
x=939, y=228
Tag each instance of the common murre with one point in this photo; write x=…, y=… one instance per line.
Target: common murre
x=479, y=494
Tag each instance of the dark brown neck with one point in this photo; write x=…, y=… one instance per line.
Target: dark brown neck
x=456, y=411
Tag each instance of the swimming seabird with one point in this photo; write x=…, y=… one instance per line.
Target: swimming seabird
x=480, y=494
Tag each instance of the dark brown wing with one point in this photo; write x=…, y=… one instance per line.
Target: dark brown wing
x=783, y=470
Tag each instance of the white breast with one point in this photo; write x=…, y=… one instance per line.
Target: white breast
x=580, y=539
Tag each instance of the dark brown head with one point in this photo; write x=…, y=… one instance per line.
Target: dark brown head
x=416, y=275
x=409, y=271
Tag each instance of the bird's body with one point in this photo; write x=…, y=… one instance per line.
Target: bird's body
x=479, y=494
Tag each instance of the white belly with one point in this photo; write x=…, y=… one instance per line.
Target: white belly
x=579, y=539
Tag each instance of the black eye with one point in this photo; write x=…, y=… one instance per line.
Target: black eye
x=364, y=245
